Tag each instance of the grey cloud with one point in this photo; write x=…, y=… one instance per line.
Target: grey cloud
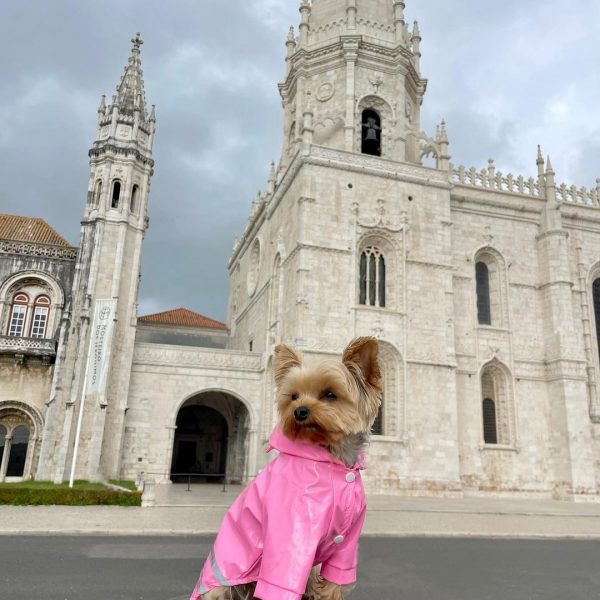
x=211, y=66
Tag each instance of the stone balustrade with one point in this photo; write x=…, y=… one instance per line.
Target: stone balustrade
x=27, y=346
x=491, y=179
x=494, y=180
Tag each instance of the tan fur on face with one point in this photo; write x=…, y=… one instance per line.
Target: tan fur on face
x=355, y=381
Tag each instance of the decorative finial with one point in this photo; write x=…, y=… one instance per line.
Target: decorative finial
x=291, y=37
x=540, y=158
x=137, y=41
x=102, y=107
x=153, y=113
x=416, y=31
x=549, y=166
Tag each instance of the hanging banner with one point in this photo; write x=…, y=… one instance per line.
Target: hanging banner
x=99, y=352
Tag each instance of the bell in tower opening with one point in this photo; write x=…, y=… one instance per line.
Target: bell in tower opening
x=371, y=133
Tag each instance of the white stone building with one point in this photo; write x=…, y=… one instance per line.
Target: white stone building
x=482, y=287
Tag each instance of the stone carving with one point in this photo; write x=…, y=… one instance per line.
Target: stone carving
x=30, y=249
x=325, y=91
x=199, y=357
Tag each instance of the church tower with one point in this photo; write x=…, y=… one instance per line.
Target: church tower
x=353, y=234
x=93, y=371
x=355, y=69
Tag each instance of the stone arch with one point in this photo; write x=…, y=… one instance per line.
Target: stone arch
x=388, y=121
x=202, y=443
x=498, y=286
x=13, y=415
x=389, y=250
x=391, y=364
x=496, y=383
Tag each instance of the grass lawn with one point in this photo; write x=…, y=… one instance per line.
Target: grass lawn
x=130, y=485
x=48, y=485
x=83, y=493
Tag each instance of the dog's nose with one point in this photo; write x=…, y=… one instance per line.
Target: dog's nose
x=301, y=413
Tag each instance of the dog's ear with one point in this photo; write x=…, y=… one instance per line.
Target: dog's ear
x=284, y=359
x=361, y=356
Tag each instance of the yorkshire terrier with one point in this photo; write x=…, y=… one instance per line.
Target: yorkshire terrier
x=293, y=532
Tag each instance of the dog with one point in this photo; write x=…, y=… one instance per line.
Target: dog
x=293, y=532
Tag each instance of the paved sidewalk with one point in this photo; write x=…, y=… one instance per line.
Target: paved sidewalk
x=178, y=512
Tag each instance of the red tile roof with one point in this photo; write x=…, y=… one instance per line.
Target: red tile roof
x=183, y=317
x=29, y=229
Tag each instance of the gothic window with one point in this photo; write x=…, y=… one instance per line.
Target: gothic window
x=372, y=278
x=482, y=274
x=275, y=290
x=97, y=192
x=490, y=431
x=596, y=293
x=18, y=315
x=377, y=428
x=116, y=194
x=371, y=132
x=2, y=441
x=40, y=317
x=134, y=198
x=496, y=405
x=18, y=452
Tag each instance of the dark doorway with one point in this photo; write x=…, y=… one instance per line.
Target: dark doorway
x=200, y=446
x=18, y=452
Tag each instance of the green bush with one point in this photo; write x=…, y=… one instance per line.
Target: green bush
x=62, y=495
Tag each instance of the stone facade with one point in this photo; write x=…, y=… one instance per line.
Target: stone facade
x=478, y=284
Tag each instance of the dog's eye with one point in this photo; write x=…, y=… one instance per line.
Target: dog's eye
x=295, y=397
x=329, y=395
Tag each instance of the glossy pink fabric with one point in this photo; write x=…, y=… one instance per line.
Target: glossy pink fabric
x=305, y=508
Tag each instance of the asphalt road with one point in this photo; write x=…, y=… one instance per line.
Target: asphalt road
x=98, y=568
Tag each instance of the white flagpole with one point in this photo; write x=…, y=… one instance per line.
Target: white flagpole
x=81, y=405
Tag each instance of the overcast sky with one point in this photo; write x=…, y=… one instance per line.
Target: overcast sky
x=505, y=75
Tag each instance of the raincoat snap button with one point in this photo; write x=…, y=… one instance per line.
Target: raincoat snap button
x=338, y=539
x=350, y=477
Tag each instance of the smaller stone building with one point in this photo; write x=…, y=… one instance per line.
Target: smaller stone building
x=36, y=274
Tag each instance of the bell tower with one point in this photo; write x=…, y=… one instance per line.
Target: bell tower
x=91, y=418
x=355, y=67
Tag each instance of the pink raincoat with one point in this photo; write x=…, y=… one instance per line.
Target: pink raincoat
x=305, y=508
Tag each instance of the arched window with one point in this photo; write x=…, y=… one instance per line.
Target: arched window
x=275, y=290
x=97, y=192
x=377, y=428
x=40, y=317
x=484, y=313
x=497, y=405
x=18, y=315
x=2, y=441
x=371, y=133
x=490, y=430
x=18, y=452
x=116, y=194
x=372, y=278
x=134, y=198
x=596, y=293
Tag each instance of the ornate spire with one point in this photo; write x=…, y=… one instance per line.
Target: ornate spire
x=130, y=91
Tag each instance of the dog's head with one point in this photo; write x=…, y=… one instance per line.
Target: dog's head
x=324, y=401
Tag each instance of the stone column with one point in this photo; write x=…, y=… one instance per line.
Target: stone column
x=350, y=56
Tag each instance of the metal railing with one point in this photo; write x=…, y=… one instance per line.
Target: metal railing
x=204, y=475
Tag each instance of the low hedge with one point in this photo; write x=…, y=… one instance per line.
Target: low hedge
x=23, y=496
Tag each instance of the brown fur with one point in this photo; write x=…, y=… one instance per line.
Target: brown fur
x=341, y=424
